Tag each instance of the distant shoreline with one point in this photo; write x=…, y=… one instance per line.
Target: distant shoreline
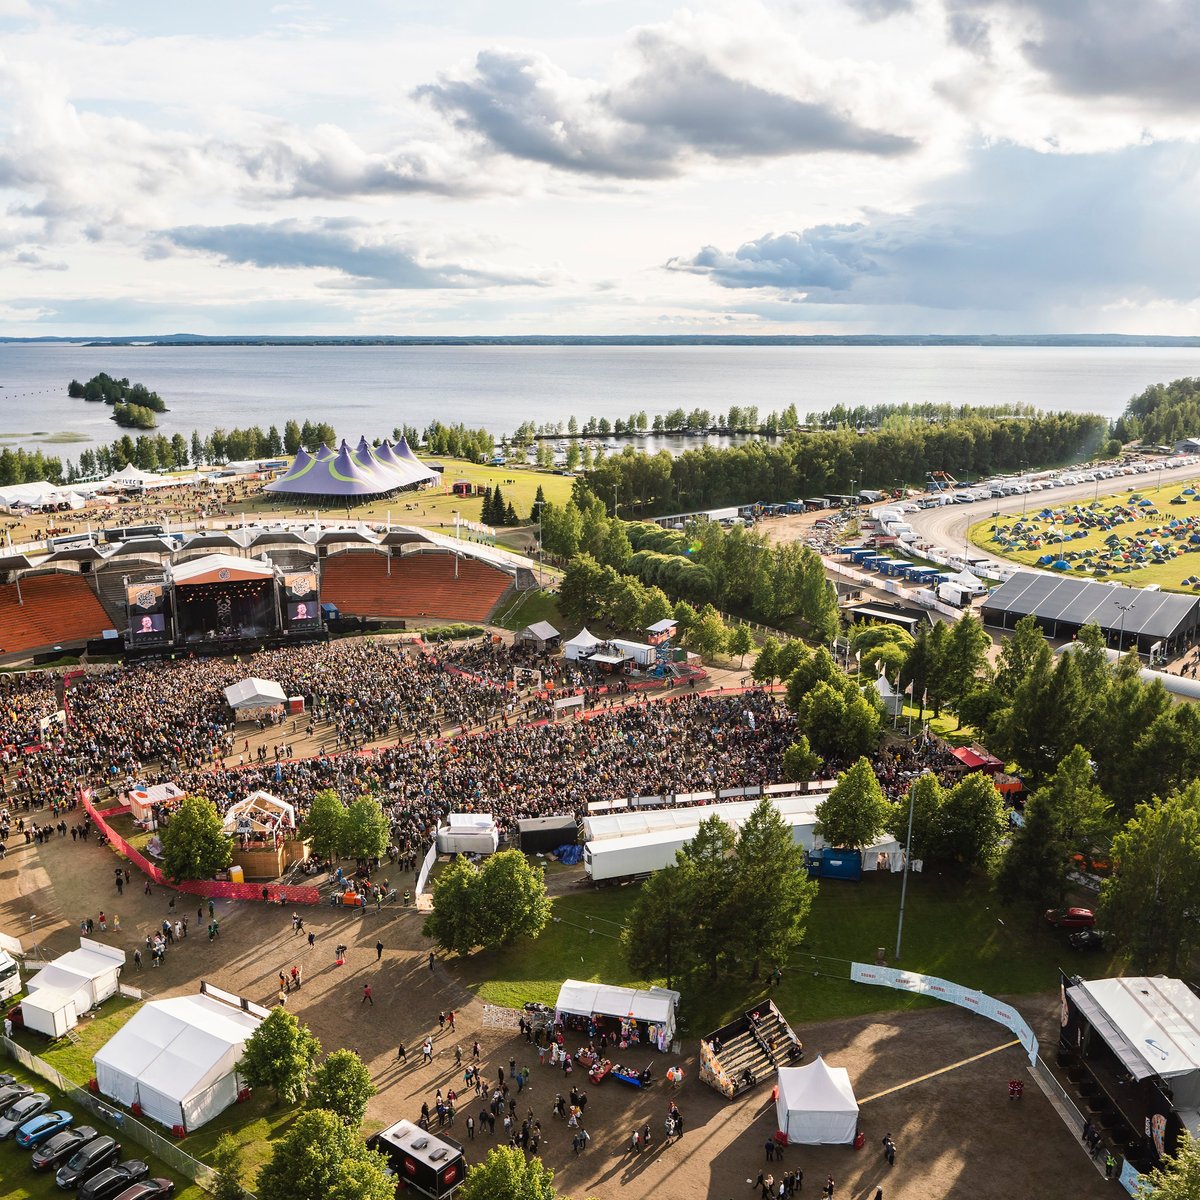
x=1056, y=341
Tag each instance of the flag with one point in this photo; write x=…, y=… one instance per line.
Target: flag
x=908, y=691
x=924, y=697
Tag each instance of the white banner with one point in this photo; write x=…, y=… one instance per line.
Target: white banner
x=951, y=993
x=426, y=867
x=569, y=702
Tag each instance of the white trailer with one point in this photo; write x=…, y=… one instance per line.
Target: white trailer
x=643, y=655
x=603, y=826
x=10, y=976
x=468, y=833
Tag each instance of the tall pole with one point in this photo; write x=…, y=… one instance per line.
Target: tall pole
x=904, y=878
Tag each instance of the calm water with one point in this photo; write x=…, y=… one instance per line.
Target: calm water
x=373, y=389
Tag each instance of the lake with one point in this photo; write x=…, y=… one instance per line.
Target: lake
x=372, y=389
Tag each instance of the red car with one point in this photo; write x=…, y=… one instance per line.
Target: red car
x=1071, y=918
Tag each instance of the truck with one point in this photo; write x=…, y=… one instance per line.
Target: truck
x=425, y=1162
x=10, y=976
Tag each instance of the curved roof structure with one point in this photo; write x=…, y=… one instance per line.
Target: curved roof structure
x=363, y=472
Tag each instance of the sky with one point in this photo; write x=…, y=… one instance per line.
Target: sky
x=599, y=167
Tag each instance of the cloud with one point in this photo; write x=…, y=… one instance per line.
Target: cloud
x=677, y=103
x=357, y=253
x=35, y=261
x=1097, y=48
x=879, y=10
x=1016, y=230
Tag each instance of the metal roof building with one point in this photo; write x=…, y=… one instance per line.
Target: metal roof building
x=1128, y=616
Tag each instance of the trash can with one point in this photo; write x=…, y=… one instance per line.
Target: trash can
x=236, y=874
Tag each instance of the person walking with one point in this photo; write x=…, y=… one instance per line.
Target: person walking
x=378, y=951
x=431, y=960
x=366, y=996
x=427, y=1051
x=312, y=939
x=401, y=1053
x=470, y=1128
x=137, y=958
x=450, y=1020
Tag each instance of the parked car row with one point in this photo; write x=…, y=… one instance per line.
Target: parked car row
x=84, y=1161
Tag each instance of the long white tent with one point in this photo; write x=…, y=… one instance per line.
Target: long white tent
x=177, y=1058
x=653, y=1006
x=254, y=693
x=816, y=1105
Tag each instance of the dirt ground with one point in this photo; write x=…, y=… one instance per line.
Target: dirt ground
x=957, y=1133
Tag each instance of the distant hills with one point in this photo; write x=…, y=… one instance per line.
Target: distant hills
x=859, y=339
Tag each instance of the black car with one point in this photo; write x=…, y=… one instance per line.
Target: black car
x=1088, y=939
x=149, y=1189
x=5, y=1080
x=111, y=1182
x=10, y=1093
x=87, y=1161
x=61, y=1146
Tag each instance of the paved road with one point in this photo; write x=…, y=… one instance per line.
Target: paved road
x=947, y=526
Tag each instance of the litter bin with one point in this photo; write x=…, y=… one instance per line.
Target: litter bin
x=236, y=874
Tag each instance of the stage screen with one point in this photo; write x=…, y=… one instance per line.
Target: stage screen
x=302, y=615
x=149, y=625
x=300, y=595
x=147, y=612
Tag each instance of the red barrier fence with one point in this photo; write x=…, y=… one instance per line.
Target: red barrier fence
x=207, y=888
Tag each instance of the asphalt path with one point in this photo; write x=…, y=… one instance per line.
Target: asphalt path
x=947, y=526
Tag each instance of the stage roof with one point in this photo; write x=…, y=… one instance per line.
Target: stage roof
x=220, y=568
x=363, y=471
x=1083, y=602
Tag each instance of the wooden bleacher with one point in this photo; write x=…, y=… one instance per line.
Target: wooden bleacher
x=57, y=608
x=420, y=585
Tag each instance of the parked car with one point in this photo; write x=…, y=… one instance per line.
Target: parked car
x=61, y=1146
x=10, y=1093
x=34, y=1132
x=17, y=1114
x=1088, y=939
x=1071, y=918
x=87, y=1161
x=149, y=1189
x=110, y=1183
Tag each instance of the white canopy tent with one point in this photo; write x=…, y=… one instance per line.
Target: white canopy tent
x=582, y=644
x=177, y=1059
x=72, y=984
x=131, y=477
x=816, y=1105
x=143, y=799
x=654, y=1006
x=254, y=693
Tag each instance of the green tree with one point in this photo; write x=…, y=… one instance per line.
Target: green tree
x=507, y=1174
x=974, y=821
x=926, y=799
x=1153, y=895
x=452, y=922
x=965, y=658
x=227, y=1159
x=538, y=500
x=320, y=1158
x=325, y=824
x=1176, y=1177
x=342, y=1084
x=707, y=635
x=291, y=437
x=839, y=721
x=800, y=761
x=1018, y=654
x=511, y=899
x=766, y=665
x=685, y=617
x=740, y=643
x=655, y=608
x=194, y=844
x=704, y=899
x=855, y=813
x=367, y=830
x=281, y=1054
x=772, y=893
x=659, y=936
x=580, y=592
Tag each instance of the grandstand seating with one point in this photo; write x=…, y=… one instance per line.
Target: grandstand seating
x=58, y=607
x=419, y=585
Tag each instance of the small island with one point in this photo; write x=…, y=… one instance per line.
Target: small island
x=133, y=404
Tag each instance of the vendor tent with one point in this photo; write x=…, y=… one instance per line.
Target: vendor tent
x=177, y=1059
x=541, y=633
x=816, y=1105
x=654, y=1006
x=259, y=812
x=581, y=645
x=254, y=693
x=142, y=799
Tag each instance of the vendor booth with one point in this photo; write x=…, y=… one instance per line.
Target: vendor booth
x=259, y=818
x=637, y=1017
x=468, y=833
x=142, y=800
x=815, y=1105
x=251, y=695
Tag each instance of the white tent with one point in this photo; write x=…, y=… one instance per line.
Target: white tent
x=131, y=477
x=143, y=799
x=254, y=693
x=816, y=1105
x=893, y=701
x=581, y=644
x=655, y=1006
x=177, y=1058
x=72, y=984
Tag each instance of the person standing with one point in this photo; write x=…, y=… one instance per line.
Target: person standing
x=378, y=951
x=470, y=1128
x=366, y=996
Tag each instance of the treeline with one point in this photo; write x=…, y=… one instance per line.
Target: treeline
x=875, y=416
x=1163, y=414
x=805, y=464
x=24, y=466
x=737, y=570
x=736, y=419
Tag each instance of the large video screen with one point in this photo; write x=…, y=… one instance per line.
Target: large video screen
x=306, y=612
x=148, y=625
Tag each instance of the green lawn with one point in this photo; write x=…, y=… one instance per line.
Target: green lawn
x=75, y=1061
x=1168, y=575
x=536, y=606
x=955, y=929
x=18, y=1182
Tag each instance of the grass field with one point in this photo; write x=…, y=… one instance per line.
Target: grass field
x=18, y=1182
x=953, y=928
x=534, y=607
x=1168, y=575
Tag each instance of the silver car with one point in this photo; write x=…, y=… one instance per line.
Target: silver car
x=22, y=1111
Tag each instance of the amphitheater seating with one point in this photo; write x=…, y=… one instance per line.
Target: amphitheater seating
x=419, y=585
x=57, y=608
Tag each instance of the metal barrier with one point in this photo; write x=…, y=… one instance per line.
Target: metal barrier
x=121, y=1123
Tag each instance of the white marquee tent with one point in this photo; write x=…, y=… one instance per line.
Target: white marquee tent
x=582, y=644
x=177, y=1058
x=816, y=1105
x=654, y=1006
x=254, y=693
x=72, y=984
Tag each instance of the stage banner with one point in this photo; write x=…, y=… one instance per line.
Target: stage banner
x=950, y=993
x=426, y=867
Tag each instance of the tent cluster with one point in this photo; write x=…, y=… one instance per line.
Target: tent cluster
x=365, y=472
x=1053, y=531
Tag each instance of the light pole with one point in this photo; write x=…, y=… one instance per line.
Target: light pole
x=456, y=537
x=1121, y=636
x=904, y=877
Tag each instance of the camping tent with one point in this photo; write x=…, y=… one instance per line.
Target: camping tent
x=254, y=693
x=581, y=645
x=816, y=1104
x=654, y=1007
x=177, y=1058
x=72, y=984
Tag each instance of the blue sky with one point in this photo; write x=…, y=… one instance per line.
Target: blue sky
x=599, y=166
